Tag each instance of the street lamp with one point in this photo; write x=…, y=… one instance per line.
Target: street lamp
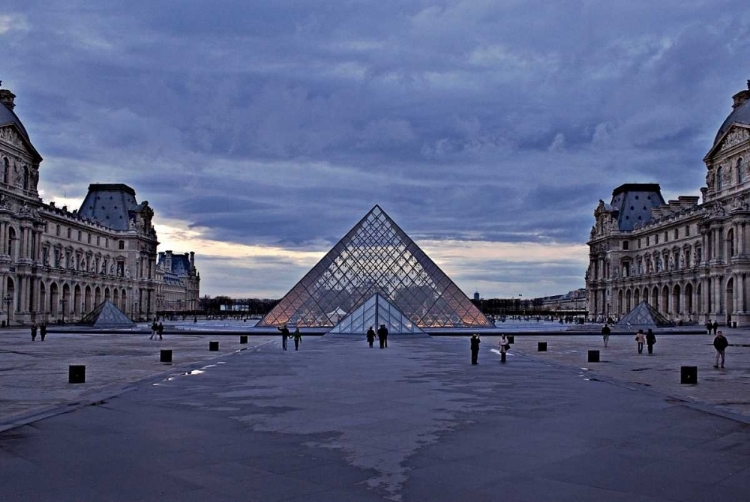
x=63, y=303
x=8, y=300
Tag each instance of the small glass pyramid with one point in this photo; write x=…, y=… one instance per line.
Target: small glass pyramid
x=371, y=314
x=106, y=315
x=644, y=315
x=376, y=256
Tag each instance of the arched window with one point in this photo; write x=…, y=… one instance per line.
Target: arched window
x=6, y=170
x=740, y=178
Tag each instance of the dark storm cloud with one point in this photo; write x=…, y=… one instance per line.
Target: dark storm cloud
x=282, y=123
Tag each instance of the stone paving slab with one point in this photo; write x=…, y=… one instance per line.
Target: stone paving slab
x=337, y=421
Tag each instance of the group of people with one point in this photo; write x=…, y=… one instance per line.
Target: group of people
x=720, y=342
x=285, y=335
x=382, y=336
x=157, y=329
x=503, y=344
x=42, y=328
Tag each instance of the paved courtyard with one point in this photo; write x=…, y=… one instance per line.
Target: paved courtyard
x=338, y=421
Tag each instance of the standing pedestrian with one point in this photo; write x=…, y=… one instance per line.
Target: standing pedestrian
x=33, y=331
x=160, y=330
x=605, y=334
x=640, y=338
x=475, y=341
x=709, y=327
x=370, y=336
x=504, y=346
x=284, y=335
x=382, y=336
x=715, y=326
x=43, y=330
x=720, y=344
x=650, y=341
x=297, y=337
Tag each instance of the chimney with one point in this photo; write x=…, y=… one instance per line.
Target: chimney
x=168, y=260
x=192, y=259
x=6, y=98
x=739, y=99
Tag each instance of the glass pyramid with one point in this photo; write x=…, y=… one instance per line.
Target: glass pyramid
x=374, y=312
x=107, y=315
x=644, y=315
x=376, y=256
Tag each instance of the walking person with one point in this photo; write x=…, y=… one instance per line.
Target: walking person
x=33, y=331
x=284, y=335
x=640, y=338
x=160, y=331
x=154, y=328
x=297, y=337
x=709, y=327
x=370, y=336
x=715, y=326
x=383, y=336
x=650, y=341
x=720, y=344
x=605, y=334
x=43, y=330
x=475, y=341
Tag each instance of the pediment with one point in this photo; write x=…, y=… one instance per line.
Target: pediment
x=735, y=135
x=10, y=135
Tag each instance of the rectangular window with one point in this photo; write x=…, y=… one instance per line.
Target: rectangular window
x=666, y=236
x=639, y=244
x=97, y=240
x=676, y=233
x=88, y=238
x=647, y=241
x=79, y=236
x=106, y=242
x=70, y=232
x=687, y=231
x=57, y=232
x=656, y=238
x=625, y=245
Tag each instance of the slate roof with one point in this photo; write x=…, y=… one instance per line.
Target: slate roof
x=740, y=115
x=109, y=204
x=634, y=202
x=8, y=116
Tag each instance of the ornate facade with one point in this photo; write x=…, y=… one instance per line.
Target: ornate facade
x=689, y=259
x=57, y=265
x=178, y=284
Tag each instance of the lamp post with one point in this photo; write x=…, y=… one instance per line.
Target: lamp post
x=63, y=303
x=8, y=300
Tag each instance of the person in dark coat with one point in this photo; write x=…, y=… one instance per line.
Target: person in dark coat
x=383, y=336
x=709, y=327
x=160, y=331
x=370, y=336
x=154, y=329
x=720, y=344
x=297, y=337
x=33, y=331
x=715, y=326
x=605, y=334
x=650, y=341
x=284, y=335
x=475, y=341
x=43, y=330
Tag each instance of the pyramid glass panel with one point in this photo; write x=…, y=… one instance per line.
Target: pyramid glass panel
x=644, y=315
x=376, y=256
x=374, y=312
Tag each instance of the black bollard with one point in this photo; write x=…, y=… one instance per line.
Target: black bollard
x=243, y=338
x=213, y=346
x=166, y=356
x=593, y=356
x=77, y=373
x=689, y=374
x=541, y=346
x=511, y=339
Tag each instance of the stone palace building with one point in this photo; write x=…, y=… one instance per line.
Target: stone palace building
x=56, y=264
x=690, y=259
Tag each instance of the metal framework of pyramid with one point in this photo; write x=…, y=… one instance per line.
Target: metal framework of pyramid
x=107, y=315
x=376, y=256
x=645, y=315
x=371, y=314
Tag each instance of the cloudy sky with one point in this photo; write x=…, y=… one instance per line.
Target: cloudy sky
x=261, y=131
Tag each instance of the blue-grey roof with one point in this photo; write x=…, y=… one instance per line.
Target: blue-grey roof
x=7, y=117
x=634, y=202
x=180, y=263
x=740, y=115
x=109, y=204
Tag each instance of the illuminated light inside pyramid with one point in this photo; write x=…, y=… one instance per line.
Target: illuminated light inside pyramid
x=376, y=256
